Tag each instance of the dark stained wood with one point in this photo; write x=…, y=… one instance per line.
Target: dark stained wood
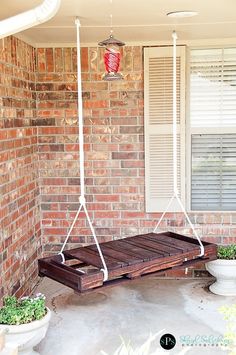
x=92, y=257
x=156, y=264
x=176, y=243
x=134, y=249
x=120, y=246
x=90, y=281
x=155, y=246
x=126, y=259
x=110, y=251
x=184, y=238
x=49, y=268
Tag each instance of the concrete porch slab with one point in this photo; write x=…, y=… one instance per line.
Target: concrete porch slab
x=87, y=324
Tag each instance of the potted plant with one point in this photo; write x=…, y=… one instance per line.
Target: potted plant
x=224, y=270
x=25, y=321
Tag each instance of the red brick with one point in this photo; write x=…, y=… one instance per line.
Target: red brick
x=20, y=214
x=107, y=198
x=58, y=60
x=84, y=59
x=49, y=60
x=67, y=60
x=107, y=214
x=45, y=157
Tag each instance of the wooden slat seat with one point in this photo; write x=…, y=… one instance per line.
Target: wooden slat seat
x=92, y=257
x=125, y=259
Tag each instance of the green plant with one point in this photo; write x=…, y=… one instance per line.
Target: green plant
x=22, y=311
x=229, y=314
x=227, y=252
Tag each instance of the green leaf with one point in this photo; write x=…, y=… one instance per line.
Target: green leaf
x=227, y=252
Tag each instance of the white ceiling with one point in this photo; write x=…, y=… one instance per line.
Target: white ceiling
x=134, y=21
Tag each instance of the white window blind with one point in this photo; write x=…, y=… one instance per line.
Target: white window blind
x=213, y=88
x=213, y=129
x=214, y=172
x=158, y=112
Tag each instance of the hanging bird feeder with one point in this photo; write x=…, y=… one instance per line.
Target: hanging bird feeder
x=112, y=58
x=112, y=54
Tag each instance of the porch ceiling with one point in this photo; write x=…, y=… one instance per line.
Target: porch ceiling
x=134, y=20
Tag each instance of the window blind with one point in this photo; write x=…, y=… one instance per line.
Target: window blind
x=213, y=88
x=214, y=172
x=213, y=129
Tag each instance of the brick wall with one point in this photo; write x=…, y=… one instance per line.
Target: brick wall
x=19, y=204
x=39, y=157
x=114, y=152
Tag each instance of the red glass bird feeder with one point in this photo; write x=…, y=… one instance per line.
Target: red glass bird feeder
x=112, y=58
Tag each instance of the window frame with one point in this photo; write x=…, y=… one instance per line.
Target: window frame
x=190, y=131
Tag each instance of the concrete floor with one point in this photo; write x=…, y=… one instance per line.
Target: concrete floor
x=87, y=324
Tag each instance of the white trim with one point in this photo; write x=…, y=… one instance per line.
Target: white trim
x=199, y=130
x=194, y=44
x=188, y=157
x=139, y=25
x=212, y=130
x=183, y=126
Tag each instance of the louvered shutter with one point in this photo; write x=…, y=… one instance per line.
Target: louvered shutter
x=158, y=116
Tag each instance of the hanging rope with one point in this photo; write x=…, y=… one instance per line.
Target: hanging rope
x=82, y=199
x=175, y=167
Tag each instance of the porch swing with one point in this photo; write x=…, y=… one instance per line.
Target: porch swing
x=100, y=265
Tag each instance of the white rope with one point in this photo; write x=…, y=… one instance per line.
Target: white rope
x=82, y=199
x=163, y=214
x=104, y=270
x=175, y=172
x=191, y=225
x=80, y=113
x=175, y=167
x=71, y=229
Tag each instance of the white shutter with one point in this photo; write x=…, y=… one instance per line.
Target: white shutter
x=214, y=172
x=158, y=115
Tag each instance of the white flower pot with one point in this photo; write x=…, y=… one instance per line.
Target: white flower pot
x=26, y=336
x=225, y=273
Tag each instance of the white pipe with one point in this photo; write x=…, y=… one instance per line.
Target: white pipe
x=27, y=19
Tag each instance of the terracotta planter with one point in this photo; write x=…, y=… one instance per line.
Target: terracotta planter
x=225, y=273
x=26, y=336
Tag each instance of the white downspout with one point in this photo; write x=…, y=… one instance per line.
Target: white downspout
x=27, y=19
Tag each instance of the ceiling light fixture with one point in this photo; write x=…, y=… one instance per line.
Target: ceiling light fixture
x=181, y=14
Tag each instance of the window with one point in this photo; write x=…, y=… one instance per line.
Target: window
x=213, y=129
x=208, y=144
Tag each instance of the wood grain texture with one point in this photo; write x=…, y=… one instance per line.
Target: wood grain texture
x=126, y=259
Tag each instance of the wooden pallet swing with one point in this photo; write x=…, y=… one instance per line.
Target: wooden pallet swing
x=110, y=263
